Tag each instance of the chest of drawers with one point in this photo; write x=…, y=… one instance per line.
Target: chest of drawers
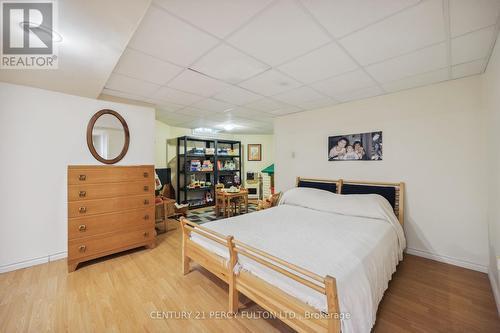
x=110, y=209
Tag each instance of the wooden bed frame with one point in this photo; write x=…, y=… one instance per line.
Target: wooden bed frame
x=292, y=311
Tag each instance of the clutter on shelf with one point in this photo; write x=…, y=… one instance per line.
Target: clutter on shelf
x=228, y=165
x=227, y=151
x=196, y=165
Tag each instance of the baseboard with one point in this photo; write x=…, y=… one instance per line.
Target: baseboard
x=57, y=256
x=494, y=287
x=32, y=262
x=448, y=260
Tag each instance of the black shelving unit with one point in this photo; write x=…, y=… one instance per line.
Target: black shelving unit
x=196, y=196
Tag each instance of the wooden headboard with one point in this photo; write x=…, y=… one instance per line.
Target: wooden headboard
x=393, y=192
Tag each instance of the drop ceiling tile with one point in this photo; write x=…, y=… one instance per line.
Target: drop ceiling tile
x=473, y=46
x=417, y=80
x=130, y=85
x=317, y=104
x=125, y=95
x=345, y=16
x=168, y=38
x=344, y=83
x=280, y=33
x=360, y=94
x=250, y=113
x=163, y=113
x=145, y=67
x=199, y=122
x=175, y=96
x=467, y=15
x=196, y=83
x=299, y=95
x=265, y=105
x=227, y=64
x=174, y=119
x=166, y=106
x=193, y=112
x=468, y=68
x=422, y=61
x=237, y=96
x=414, y=28
x=270, y=83
x=286, y=110
x=210, y=104
x=207, y=14
x=319, y=64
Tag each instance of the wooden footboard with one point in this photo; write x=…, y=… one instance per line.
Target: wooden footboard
x=193, y=252
x=292, y=311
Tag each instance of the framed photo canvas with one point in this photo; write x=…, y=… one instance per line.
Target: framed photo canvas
x=254, y=152
x=352, y=147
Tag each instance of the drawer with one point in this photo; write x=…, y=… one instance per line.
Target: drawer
x=84, y=247
x=100, y=206
x=114, y=222
x=109, y=190
x=110, y=174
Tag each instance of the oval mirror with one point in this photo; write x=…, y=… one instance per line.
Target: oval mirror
x=108, y=136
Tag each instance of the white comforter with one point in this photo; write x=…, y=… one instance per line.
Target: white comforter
x=360, y=252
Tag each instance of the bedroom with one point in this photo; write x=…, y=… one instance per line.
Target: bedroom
x=311, y=155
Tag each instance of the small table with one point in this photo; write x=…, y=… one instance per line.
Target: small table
x=228, y=196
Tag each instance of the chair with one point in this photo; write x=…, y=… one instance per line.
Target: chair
x=164, y=210
x=218, y=199
x=236, y=203
x=271, y=201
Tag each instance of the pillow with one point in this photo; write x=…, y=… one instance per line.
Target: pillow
x=364, y=205
x=371, y=206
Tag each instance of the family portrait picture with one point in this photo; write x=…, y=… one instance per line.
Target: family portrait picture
x=363, y=146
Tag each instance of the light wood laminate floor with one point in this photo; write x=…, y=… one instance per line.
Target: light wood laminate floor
x=120, y=293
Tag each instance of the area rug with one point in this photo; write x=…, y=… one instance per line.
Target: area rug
x=207, y=214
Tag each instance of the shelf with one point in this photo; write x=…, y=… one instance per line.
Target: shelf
x=185, y=155
x=201, y=206
x=197, y=171
x=197, y=155
x=206, y=188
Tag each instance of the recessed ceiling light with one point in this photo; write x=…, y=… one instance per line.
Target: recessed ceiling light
x=229, y=127
x=205, y=131
x=228, y=110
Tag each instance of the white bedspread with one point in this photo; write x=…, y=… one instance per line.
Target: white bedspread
x=360, y=252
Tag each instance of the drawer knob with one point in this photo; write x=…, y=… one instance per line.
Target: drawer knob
x=82, y=194
x=146, y=188
x=82, y=210
x=146, y=174
x=146, y=201
x=82, y=248
x=146, y=234
x=146, y=217
x=82, y=178
x=82, y=227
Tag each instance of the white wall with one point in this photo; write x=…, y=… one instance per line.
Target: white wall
x=41, y=133
x=162, y=134
x=491, y=98
x=434, y=140
x=267, y=142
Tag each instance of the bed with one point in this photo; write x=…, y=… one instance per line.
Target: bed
x=320, y=261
